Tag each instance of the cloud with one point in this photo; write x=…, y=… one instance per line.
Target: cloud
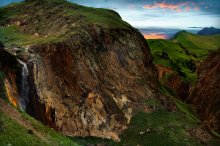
x=178, y=7
x=164, y=5
x=155, y=36
x=196, y=8
x=188, y=8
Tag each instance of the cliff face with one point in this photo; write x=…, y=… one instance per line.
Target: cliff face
x=10, y=77
x=181, y=88
x=88, y=80
x=173, y=80
x=205, y=96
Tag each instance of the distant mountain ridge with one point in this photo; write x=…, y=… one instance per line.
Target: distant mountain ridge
x=209, y=31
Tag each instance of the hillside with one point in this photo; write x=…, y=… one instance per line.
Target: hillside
x=27, y=22
x=183, y=52
x=198, y=45
x=188, y=74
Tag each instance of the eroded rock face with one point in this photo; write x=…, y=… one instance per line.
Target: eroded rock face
x=205, y=96
x=181, y=88
x=91, y=87
x=9, y=69
x=173, y=80
x=92, y=75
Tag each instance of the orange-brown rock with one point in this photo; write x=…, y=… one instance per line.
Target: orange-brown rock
x=9, y=69
x=205, y=96
x=91, y=87
x=174, y=81
x=162, y=70
x=91, y=72
x=181, y=88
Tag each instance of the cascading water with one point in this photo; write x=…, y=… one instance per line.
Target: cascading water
x=24, y=89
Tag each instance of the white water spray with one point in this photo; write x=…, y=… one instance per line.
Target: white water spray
x=24, y=99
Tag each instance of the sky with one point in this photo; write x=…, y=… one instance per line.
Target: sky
x=163, y=13
x=180, y=14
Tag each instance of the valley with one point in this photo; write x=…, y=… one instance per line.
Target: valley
x=76, y=75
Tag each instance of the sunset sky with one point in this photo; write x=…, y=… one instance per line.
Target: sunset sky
x=163, y=13
x=179, y=14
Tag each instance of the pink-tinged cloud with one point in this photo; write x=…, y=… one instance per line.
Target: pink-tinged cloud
x=164, y=5
x=188, y=8
x=179, y=7
x=155, y=36
x=196, y=8
x=178, y=10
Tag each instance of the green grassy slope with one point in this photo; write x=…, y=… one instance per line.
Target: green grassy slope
x=63, y=8
x=53, y=20
x=13, y=133
x=12, y=36
x=161, y=128
x=198, y=45
x=183, y=51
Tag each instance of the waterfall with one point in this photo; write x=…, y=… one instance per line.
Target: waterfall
x=24, y=88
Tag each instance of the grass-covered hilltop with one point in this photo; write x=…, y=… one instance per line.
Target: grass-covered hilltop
x=44, y=21
x=183, y=52
x=76, y=75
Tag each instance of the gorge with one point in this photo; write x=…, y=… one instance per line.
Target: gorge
x=85, y=73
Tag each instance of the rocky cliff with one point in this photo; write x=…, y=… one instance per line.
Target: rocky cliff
x=171, y=79
x=9, y=76
x=89, y=71
x=205, y=96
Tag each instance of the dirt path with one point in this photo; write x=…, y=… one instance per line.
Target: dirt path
x=15, y=115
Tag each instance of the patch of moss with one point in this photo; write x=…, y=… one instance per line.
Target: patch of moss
x=153, y=103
